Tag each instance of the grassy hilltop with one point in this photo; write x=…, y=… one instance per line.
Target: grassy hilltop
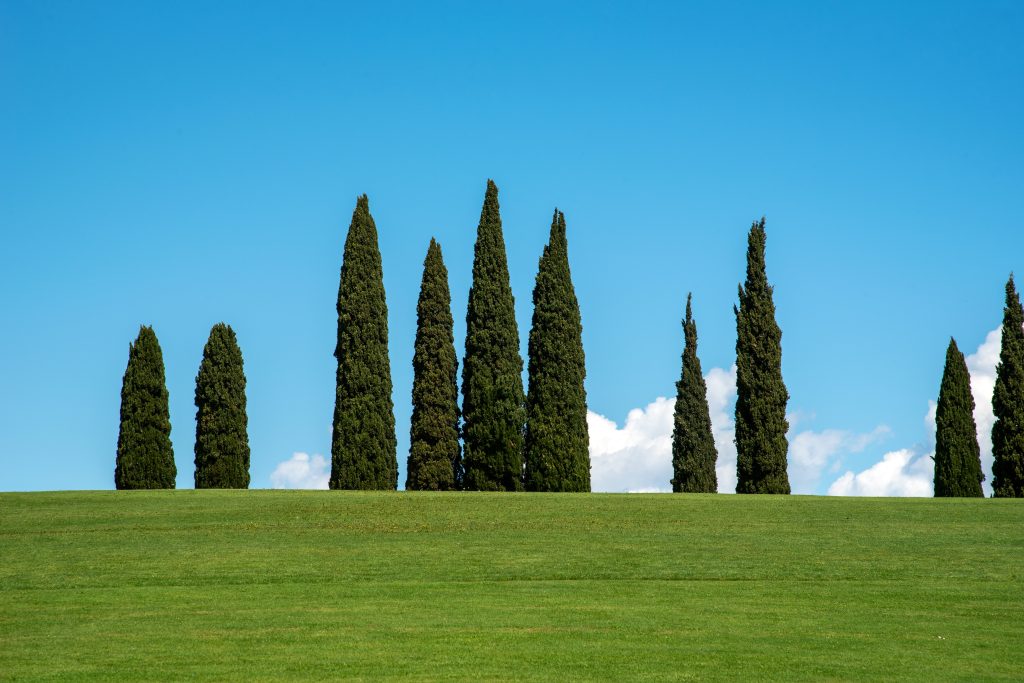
x=271, y=585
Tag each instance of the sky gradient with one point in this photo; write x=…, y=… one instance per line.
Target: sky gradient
x=184, y=164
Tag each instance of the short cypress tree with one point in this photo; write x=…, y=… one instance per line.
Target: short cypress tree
x=1008, y=403
x=557, y=445
x=145, y=457
x=435, y=456
x=761, y=394
x=693, y=444
x=222, y=439
x=957, y=456
x=493, y=410
x=363, y=447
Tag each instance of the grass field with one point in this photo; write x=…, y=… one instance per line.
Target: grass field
x=271, y=585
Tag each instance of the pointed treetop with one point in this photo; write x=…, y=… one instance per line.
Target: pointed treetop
x=362, y=227
x=557, y=226
x=146, y=335
x=490, y=210
x=690, y=328
x=557, y=240
x=363, y=206
x=756, y=240
x=1013, y=316
x=362, y=212
x=489, y=228
x=222, y=329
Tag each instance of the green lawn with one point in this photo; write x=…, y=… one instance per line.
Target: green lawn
x=270, y=585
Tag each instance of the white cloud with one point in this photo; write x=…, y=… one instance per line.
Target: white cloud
x=929, y=421
x=899, y=473
x=982, y=366
x=638, y=456
x=721, y=401
x=910, y=471
x=811, y=453
x=301, y=472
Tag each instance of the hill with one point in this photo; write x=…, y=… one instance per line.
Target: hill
x=271, y=585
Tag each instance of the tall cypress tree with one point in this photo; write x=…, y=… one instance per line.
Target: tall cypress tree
x=222, y=439
x=493, y=411
x=761, y=394
x=957, y=456
x=363, y=448
x=693, y=444
x=145, y=457
x=1008, y=403
x=557, y=446
x=435, y=457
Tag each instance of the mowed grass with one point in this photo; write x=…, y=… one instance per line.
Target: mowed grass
x=277, y=585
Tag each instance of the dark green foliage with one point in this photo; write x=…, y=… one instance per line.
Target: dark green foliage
x=222, y=439
x=761, y=395
x=557, y=445
x=145, y=458
x=693, y=445
x=1008, y=403
x=957, y=456
x=435, y=457
x=363, y=448
x=493, y=411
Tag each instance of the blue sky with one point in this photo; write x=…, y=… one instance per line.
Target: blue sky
x=179, y=164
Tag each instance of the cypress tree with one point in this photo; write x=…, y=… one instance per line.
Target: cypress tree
x=222, y=439
x=761, y=394
x=693, y=444
x=493, y=411
x=1008, y=403
x=145, y=457
x=363, y=448
x=957, y=456
x=435, y=457
x=557, y=445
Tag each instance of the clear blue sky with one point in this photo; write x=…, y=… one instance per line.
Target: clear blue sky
x=179, y=164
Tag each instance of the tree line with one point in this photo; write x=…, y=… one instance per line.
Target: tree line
x=505, y=438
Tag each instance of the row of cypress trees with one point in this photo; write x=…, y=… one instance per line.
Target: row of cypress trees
x=511, y=440
x=145, y=456
x=537, y=440
x=958, y=470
